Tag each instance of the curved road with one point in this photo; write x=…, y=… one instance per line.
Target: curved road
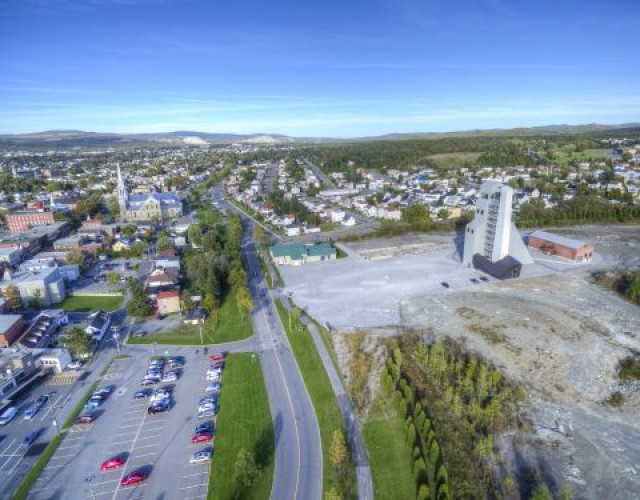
x=298, y=457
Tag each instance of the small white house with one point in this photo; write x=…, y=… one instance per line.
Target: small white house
x=57, y=359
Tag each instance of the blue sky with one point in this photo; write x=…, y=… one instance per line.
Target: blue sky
x=322, y=68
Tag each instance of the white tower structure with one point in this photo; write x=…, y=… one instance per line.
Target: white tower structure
x=121, y=192
x=492, y=233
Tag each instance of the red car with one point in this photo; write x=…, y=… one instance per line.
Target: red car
x=85, y=418
x=217, y=357
x=112, y=463
x=201, y=437
x=133, y=478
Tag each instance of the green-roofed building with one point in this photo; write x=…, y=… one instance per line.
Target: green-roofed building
x=296, y=254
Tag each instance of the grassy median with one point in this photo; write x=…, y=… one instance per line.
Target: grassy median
x=245, y=422
x=324, y=402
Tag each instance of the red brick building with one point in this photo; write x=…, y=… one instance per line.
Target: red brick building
x=23, y=221
x=11, y=327
x=567, y=248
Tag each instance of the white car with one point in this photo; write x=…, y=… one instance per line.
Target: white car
x=199, y=457
x=75, y=365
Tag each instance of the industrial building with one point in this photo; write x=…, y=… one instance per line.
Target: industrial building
x=492, y=234
x=561, y=246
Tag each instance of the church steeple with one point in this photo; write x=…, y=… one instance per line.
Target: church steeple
x=121, y=192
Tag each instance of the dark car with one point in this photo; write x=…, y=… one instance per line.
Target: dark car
x=30, y=438
x=161, y=316
x=143, y=394
x=205, y=427
x=483, y=278
x=84, y=418
x=152, y=410
x=444, y=284
x=474, y=280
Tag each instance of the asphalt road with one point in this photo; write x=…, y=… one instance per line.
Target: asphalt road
x=298, y=460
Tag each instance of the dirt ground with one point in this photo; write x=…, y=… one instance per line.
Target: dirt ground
x=557, y=333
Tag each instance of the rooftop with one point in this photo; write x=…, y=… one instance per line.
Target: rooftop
x=8, y=320
x=558, y=240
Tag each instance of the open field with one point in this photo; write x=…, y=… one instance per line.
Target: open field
x=244, y=421
x=452, y=160
x=389, y=455
x=91, y=303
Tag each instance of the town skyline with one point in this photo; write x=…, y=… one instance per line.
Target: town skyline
x=158, y=66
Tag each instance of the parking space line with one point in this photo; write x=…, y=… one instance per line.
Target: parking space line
x=146, y=446
x=145, y=455
x=56, y=457
x=194, y=486
x=198, y=474
x=104, y=482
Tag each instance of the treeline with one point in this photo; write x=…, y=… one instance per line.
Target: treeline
x=582, y=209
x=455, y=403
x=214, y=266
x=292, y=206
x=406, y=153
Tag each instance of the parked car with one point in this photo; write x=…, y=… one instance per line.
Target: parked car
x=75, y=365
x=200, y=456
x=134, y=477
x=205, y=427
x=143, y=394
x=30, y=438
x=8, y=415
x=203, y=437
x=84, y=418
x=152, y=410
x=214, y=387
x=205, y=412
x=112, y=463
x=217, y=357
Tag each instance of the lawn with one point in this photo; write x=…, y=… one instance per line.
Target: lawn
x=323, y=398
x=389, y=454
x=245, y=422
x=107, y=303
x=452, y=160
x=230, y=327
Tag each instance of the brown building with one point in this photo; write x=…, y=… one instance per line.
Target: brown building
x=11, y=327
x=25, y=220
x=561, y=246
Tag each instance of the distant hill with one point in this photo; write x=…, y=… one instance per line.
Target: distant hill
x=78, y=138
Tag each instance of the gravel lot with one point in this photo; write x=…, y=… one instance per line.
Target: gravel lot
x=552, y=330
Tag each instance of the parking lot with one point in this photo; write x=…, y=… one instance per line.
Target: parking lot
x=158, y=444
x=16, y=457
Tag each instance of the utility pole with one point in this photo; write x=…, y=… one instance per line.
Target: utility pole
x=115, y=330
x=201, y=340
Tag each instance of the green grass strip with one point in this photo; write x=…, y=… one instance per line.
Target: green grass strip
x=324, y=402
x=245, y=422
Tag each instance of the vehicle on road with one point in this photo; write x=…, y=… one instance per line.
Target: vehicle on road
x=444, y=284
x=483, y=278
x=112, y=463
x=202, y=437
x=33, y=410
x=8, y=415
x=134, y=477
x=200, y=456
x=217, y=357
x=30, y=438
x=143, y=394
